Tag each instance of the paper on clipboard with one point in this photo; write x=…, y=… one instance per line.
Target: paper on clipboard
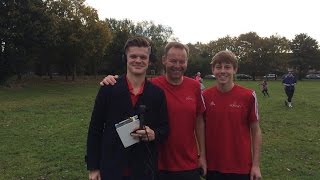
x=124, y=128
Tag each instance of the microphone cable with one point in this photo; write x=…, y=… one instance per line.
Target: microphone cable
x=150, y=166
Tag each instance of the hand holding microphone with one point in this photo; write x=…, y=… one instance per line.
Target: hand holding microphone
x=145, y=133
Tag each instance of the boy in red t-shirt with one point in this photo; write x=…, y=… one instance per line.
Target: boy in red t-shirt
x=233, y=135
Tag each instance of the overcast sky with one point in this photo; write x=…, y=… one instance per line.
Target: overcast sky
x=207, y=20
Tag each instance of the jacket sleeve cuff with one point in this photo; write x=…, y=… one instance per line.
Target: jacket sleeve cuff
x=91, y=164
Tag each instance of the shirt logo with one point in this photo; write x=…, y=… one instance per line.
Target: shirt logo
x=189, y=98
x=235, y=105
x=212, y=103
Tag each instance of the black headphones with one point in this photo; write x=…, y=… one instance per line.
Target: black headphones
x=124, y=58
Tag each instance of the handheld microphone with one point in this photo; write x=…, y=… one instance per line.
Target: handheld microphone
x=142, y=110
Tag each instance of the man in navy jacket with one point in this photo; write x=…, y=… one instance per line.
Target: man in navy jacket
x=106, y=157
x=289, y=82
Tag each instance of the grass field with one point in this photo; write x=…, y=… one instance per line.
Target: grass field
x=43, y=129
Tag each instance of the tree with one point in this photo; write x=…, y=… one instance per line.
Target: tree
x=250, y=58
x=159, y=35
x=304, y=52
x=5, y=71
x=21, y=34
x=225, y=43
x=213, y=47
x=98, y=37
x=278, y=55
x=121, y=30
x=49, y=51
x=76, y=23
x=199, y=59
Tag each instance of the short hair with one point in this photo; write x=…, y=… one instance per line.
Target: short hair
x=137, y=41
x=175, y=45
x=225, y=57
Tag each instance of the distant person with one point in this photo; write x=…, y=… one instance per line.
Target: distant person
x=264, y=88
x=200, y=80
x=107, y=158
x=289, y=81
x=179, y=156
x=233, y=135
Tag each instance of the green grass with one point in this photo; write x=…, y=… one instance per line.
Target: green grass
x=43, y=129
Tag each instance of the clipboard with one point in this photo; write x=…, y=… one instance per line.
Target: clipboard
x=124, y=128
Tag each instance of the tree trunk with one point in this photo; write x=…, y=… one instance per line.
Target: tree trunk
x=74, y=73
x=19, y=77
x=66, y=71
x=49, y=72
x=300, y=74
x=95, y=72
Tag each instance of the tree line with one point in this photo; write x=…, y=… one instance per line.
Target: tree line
x=66, y=37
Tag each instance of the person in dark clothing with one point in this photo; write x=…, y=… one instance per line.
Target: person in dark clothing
x=106, y=157
x=289, y=82
x=264, y=88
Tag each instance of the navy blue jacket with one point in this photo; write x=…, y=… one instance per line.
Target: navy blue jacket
x=289, y=82
x=105, y=150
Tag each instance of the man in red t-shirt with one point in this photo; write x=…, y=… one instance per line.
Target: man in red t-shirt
x=178, y=156
x=233, y=135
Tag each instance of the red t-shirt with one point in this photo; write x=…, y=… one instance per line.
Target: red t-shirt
x=228, y=118
x=134, y=97
x=184, y=102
